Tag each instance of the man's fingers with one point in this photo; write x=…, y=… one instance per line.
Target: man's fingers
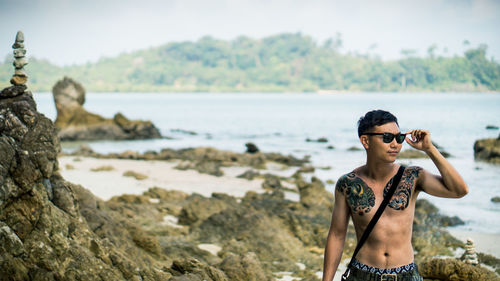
x=408, y=140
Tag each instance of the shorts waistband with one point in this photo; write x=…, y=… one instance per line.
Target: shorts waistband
x=397, y=270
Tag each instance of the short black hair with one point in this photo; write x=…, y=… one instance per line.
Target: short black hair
x=375, y=118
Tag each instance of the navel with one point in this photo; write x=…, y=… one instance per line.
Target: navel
x=386, y=254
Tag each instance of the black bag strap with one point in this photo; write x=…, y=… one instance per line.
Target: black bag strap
x=375, y=218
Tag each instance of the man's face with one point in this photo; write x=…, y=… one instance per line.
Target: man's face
x=376, y=147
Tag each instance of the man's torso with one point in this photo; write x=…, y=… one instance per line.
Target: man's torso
x=389, y=244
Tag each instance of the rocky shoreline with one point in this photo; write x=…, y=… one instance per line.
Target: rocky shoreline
x=53, y=229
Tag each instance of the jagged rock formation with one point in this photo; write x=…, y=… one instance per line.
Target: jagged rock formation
x=75, y=123
x=51, y=229
x=488, y=150
x=454, y=270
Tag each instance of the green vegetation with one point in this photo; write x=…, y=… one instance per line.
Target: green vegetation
x=285, y=62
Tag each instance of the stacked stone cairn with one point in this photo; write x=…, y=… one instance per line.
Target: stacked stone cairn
x=470, y=255
x=19, y=77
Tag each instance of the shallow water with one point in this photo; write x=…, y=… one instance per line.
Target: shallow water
x=282, y=122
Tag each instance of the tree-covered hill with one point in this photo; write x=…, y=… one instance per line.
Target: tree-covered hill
x=284, y=62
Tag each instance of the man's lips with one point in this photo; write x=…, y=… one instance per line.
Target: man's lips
x=393, y=152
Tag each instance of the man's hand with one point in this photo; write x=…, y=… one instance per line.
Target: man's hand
x=449, y=184
x=420, y=139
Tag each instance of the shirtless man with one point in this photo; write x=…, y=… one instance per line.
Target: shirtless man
x=358, y=194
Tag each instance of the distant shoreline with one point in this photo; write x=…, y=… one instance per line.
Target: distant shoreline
x=284, y=93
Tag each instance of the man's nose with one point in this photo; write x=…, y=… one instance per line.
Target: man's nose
x=394, y=143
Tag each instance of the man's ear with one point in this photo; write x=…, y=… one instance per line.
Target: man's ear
x=365, y=141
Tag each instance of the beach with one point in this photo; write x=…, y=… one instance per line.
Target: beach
x=163, y=174
x=106, y=184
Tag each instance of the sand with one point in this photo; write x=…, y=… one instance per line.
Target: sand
x=108, y=183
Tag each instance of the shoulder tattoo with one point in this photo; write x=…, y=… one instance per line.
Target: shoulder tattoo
x=402, y=195
x=359, y=195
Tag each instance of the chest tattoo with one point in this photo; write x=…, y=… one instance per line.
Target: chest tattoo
x=361, y=198
x=402, y=194
x=359, y=195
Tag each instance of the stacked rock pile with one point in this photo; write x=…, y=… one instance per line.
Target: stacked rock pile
x=470, y=255
x=19, y=77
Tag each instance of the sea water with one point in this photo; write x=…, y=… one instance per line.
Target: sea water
x=283, y=122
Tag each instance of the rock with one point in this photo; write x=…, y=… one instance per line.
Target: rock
x=20, y=63
x=489, y=260
x=194, y=270
x=267, y=237
x=330, y=147
x=183, y=249
x=245, y=267
x=19, y=37
x=75, y=123
x=487, y=150
x=12, y=92
x=51, y=229
x=491, y=127
x=271, y=182
x=136, y=175
x=429, y=237
x=314, y=194
x=354, y=148
x=451, y=221
x=199, y=208
x=209, y=167
x=19, y=53
x=452, y=269
x=321, y=140
x=249, y=175
x=192, y=133
x=251, y=147
x=306, y=169
x=495, y=199
x=18, y=80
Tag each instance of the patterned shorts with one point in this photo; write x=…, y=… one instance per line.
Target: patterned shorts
x=363, y=272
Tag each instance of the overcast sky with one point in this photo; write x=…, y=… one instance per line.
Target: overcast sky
x=67, y=32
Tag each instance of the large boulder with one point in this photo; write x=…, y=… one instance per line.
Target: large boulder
x=488, y=150
x=75, y=123
x=449, y=269
x=51, y=229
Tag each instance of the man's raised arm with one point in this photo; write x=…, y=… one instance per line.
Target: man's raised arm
x=450, y=184
x=336, y=236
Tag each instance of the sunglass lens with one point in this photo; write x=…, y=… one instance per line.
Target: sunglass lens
x=387, y=137
x=400, y=138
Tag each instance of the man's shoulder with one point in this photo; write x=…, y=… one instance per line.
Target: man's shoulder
x=346, y=180
x=346, y=177
x=414, y=171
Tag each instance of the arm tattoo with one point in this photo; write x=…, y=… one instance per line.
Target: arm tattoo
x=402, y=195
x=359, y=196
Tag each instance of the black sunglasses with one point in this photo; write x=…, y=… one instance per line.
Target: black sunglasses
x=388, y=137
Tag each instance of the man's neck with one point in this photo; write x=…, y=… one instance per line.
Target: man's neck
x=377, y=170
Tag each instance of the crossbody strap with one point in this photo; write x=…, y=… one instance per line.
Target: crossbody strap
x=377, y=215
